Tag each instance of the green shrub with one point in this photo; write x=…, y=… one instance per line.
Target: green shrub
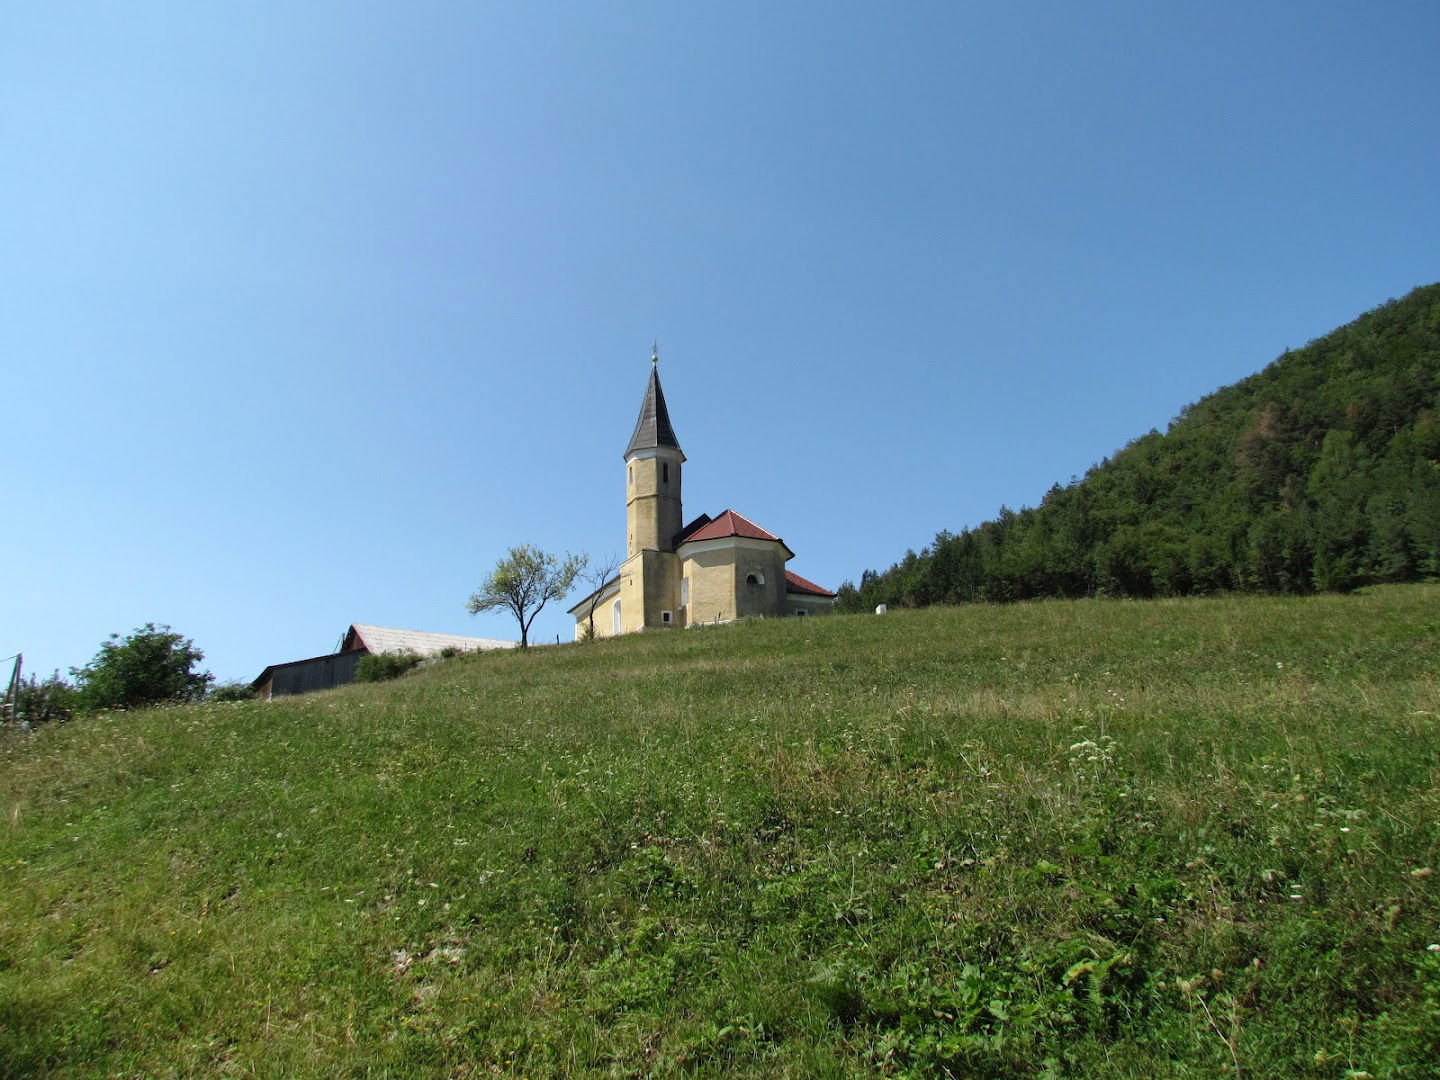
x=381, y=667
x=153, y=664
x=232, y=691
x=40, y=702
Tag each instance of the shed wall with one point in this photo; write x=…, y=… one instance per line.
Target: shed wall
x=321, y=673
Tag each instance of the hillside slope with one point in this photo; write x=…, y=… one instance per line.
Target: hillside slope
x=1321, y=472
x=1165, y=838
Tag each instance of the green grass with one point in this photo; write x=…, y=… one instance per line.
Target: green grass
x=1069, y=838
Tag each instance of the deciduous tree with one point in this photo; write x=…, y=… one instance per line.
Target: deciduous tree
x=153, y=665
x=596, y=575
x=523, y=582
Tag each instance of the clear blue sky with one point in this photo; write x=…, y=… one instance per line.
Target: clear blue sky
x=309, y=311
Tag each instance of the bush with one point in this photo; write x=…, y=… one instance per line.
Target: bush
x=232, y=691
x=153, y=665
x=380, y=667
x=40, y=702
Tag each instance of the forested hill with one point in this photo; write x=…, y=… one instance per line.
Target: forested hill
x=1321, y=472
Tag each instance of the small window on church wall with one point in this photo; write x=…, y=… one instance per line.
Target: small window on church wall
x=665, y=617
x=615, y=612
x=801, y=611
x=664, y=472
x=755, y=578
x=684, y=591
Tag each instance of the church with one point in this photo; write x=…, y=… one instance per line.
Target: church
x=712, y=570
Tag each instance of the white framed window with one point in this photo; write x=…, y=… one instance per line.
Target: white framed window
x=755, y=578
x=684, y=591
x=615, y=613
x=666, y=617
x=801, y=611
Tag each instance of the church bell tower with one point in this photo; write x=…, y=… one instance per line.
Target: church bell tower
x=652, y=474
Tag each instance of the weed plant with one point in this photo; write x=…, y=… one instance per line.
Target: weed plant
x=1166, y=838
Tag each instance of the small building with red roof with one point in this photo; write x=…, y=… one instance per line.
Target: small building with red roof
x=711, y=570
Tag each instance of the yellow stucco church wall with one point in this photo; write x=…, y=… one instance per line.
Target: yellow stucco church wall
x=604, y=618
x=652, y=503
x=719, y=590
x=649, y=585
x=811, y=605
x=712, y=587
x=766, y=596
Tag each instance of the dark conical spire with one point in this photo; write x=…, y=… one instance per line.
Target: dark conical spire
x=653, y=428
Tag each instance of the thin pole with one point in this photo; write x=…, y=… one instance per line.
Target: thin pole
x=12, y=693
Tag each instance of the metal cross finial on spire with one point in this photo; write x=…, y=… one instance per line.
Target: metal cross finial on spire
x=655, y=352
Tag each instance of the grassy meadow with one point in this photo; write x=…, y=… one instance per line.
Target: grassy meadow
x=1165, y=838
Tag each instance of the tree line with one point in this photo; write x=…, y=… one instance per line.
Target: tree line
x=1319, y=473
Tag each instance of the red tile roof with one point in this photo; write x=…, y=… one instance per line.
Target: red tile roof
x=796, y=583
x=731, y=524
x=694, y=526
